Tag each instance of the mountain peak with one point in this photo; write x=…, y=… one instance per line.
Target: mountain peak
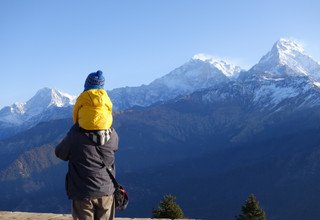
x=52, y=97
x=47, y=97
x=288, y=57
x=40, y=102
x=200, y=72
x=283, y=52
x=288, y=46
x=226, y=68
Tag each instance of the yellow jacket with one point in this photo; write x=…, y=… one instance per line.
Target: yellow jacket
x=93, y=110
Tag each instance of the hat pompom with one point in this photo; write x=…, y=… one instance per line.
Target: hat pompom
x=99, y=73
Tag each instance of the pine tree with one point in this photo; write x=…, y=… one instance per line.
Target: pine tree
x=168, y=208
x=251, y=210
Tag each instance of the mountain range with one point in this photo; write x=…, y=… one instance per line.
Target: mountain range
x=47, y=104
x=208, y=132
x=286, y=60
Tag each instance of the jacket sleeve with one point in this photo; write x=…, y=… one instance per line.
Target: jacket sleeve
x=108, y=103
x=79, y=103
x=75, y=111
x=62, y=151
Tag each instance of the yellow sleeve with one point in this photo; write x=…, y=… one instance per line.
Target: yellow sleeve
x=76, y=109
x=108, y=103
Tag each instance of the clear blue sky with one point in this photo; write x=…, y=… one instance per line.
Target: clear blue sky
x=56, y=43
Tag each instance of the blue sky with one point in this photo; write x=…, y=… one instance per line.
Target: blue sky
x=56, y=43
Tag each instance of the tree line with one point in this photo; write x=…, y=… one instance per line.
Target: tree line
x=168, y=208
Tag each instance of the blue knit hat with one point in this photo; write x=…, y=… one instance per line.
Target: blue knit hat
x=94, y=80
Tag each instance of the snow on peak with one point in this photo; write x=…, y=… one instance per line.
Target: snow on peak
x=12, y=114
x=284, y=52
x=46, y=98
x=19, y=112
x=289, y=46
x=18, y=108
x=226, y=68
x=202, y=71
x=288, y=57
x=51, y=97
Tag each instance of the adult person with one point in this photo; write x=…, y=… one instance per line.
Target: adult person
x=89, y=154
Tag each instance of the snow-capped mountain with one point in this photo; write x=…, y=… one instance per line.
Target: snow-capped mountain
x=46, y=104
x=288, y=57
x=286, y=72
x=201, y=72
x=285, y=76
x=12, y=114
x=229, y=70
x=44, y=99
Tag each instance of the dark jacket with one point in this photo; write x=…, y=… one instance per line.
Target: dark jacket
x=87, y=176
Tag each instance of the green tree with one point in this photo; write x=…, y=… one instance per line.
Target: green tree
x=251, y=210
x=168, y=208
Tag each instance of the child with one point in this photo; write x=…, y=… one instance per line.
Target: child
x=93, y=108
